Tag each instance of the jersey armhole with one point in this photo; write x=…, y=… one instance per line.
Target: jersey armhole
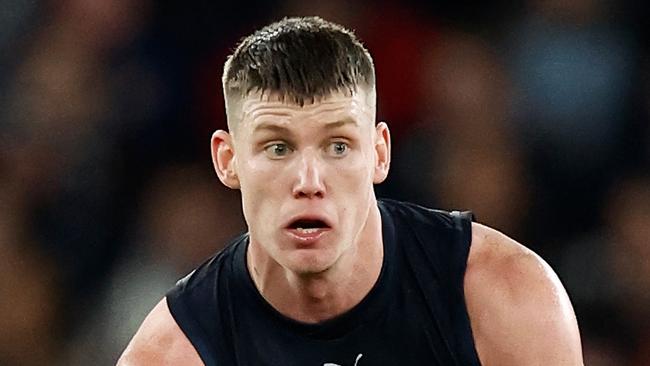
x=464, y=337
x=189, y=325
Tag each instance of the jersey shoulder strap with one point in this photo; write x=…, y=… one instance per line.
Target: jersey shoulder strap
x=201, y=304
x=436, y=244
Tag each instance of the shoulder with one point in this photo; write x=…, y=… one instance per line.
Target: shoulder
x=159, y=341
x=519, y=310
x=414, y=214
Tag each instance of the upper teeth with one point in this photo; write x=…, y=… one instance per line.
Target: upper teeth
x=307, y=231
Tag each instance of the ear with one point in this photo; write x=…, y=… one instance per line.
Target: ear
x=223, y=158
x=382, y=151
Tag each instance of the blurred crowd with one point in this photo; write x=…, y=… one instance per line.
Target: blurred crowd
x=534, y=114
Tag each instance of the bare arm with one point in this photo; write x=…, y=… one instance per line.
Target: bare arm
x=519, y=310
x=159, y=341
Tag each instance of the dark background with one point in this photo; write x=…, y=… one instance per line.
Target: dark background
x=534, y=114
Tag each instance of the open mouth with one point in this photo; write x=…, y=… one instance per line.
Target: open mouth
x=308, y=225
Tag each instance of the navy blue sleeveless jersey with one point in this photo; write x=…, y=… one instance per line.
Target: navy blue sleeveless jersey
x=414, y=315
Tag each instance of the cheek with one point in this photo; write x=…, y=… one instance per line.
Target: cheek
x=357, y=169
x=260, y=189
x=256, y=174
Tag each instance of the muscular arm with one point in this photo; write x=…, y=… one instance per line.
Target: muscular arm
x=519, y=311
x=159, y=341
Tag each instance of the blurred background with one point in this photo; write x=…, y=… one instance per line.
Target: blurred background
x=534, y=114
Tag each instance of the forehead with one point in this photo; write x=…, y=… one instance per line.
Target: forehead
x=257, y=109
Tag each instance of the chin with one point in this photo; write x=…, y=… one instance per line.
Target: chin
x=310, y=263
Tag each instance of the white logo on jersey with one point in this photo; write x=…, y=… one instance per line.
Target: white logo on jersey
x=336, y=364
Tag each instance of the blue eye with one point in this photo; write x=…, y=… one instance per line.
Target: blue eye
x=338, y=148
x=277, y=150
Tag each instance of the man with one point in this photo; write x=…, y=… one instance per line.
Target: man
x=327, y=274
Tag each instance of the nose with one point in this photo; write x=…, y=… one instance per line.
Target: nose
x=309, y=181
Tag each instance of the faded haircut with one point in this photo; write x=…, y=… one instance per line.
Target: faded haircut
x=300, y=59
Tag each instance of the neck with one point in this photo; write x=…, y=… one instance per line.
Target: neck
x=316, y=297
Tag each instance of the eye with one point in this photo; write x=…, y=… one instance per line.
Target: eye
x=338, y=148
x=277, y=150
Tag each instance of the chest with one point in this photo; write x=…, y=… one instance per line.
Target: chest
x=404, y=331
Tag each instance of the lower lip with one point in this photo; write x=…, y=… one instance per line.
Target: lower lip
x=307, y=237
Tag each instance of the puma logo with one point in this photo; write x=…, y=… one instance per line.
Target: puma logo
x=336, y=364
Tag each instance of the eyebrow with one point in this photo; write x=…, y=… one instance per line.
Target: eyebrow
x=275, y=127
x=343, y=122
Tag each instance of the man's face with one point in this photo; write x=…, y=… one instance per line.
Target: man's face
x=306, y=175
